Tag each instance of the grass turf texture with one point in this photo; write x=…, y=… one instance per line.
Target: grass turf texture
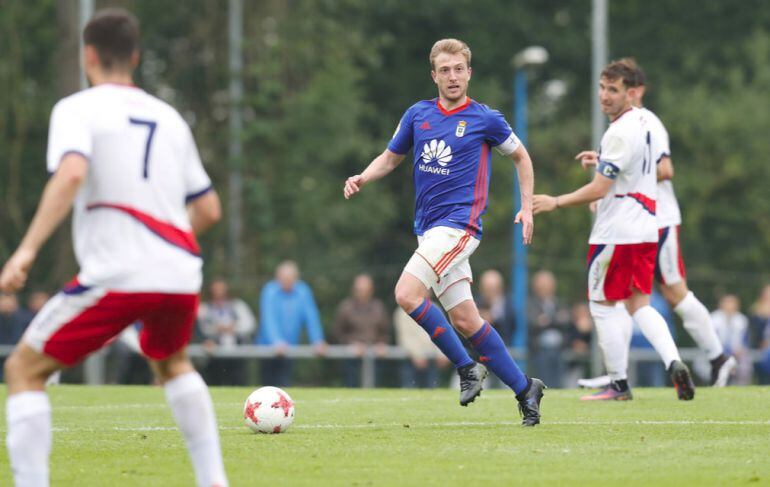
x=120, y=436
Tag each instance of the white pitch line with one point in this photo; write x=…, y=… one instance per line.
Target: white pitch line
x=418, y=425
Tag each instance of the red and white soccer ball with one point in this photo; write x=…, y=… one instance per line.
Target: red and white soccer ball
x=268, y=410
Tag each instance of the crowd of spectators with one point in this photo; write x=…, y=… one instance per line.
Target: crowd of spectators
x=559, y=336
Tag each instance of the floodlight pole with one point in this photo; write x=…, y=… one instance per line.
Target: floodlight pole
x=235, y=147
x=531, y=56
x=94, y=366
x=599, y=57
x=599, y=28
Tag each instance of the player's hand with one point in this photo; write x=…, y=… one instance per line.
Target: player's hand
x=592, y=206
x=353, y=185
x=543, y=203
x=527, y=225
x=14, y=274
x=588, y=158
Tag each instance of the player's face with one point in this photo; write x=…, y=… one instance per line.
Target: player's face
x=613, y=97
x=451, y=74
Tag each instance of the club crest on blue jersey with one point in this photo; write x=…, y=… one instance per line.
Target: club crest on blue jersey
x=460, y=130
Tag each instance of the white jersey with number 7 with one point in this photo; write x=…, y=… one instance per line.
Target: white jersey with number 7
x=131, y=230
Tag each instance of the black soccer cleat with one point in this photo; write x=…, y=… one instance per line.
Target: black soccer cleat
x=680, y=376
x=721, y=369
x=529, y=403
x=471, y=382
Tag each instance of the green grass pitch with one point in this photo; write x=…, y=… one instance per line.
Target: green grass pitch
x=125, y=436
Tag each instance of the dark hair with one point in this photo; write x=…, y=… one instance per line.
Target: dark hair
x=641, y=78
x=621, y=70
x=114, y=33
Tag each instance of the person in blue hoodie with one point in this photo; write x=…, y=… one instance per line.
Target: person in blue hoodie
x=287, y=307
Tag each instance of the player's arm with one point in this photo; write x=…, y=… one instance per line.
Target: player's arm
x=665, y=169
x=526, y=174
x=596, y=189
x=204, y=211
x=55, y=205
x=380, y=167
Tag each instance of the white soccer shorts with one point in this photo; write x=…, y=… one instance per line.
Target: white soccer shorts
x=441, y=263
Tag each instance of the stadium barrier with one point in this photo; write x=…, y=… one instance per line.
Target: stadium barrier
x=370, y=357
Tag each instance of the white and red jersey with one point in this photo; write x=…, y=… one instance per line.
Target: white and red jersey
x=668, y=208
x=626, y=215
x=130, y=225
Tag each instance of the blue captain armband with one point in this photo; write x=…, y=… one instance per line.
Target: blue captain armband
x=608, y=169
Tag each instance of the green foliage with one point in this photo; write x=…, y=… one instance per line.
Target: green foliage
x=326, y=82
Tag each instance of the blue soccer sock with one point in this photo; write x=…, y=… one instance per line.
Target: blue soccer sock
x=432, y=320
x=494, y=355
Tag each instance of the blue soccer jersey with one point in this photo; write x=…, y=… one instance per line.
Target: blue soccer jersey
x=452, y=161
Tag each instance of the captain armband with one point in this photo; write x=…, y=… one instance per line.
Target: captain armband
x=608, y=169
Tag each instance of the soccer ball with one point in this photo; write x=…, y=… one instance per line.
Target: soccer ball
x=268, y=410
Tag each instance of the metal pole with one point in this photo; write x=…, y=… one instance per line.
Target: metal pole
x=235, y=148
x=599, y=28
x=86, y=11
x=94, y=366
x=519, y=261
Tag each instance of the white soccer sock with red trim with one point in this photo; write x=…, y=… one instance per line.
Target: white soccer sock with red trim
x=697, y=322
x=190, y=402
x=611, y=332
x=29, y=437
x=655, y=330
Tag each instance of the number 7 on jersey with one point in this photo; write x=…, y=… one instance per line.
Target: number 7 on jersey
x=151, y=132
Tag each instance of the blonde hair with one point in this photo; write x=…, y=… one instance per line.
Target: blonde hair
x=450, y=46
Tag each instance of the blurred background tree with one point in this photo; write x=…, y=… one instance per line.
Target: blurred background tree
x=327, y=81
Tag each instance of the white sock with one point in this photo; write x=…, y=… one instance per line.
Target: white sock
x=626, y=321
x=697, y=322
x=29, y=437
x=655, y=330
x=193, y=410
x=611, y=332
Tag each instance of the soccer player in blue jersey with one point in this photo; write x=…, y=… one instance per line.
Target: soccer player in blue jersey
x=452, y=136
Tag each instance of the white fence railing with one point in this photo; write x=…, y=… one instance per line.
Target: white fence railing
x=369, y=358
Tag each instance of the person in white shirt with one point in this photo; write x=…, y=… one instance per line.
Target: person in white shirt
x=732, y=327
x=225, y=322
x=126, y=164
x=670, y=270
x=623, y=241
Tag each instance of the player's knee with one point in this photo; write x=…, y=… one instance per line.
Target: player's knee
x=465, y=325
x=173, y=366
x=407, y=299
x=20, y=370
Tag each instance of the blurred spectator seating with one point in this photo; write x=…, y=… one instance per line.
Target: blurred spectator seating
x=732, y=328
x=225, y=322
x=287, y=308
x=361, y=322
x=759, y=334
x=549, y=320
x=494, y=305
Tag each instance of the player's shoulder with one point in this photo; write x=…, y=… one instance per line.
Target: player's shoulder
x=483, y=108
x=652, y=119
x=422, y=106
x=627, y=123
x=98, y=99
